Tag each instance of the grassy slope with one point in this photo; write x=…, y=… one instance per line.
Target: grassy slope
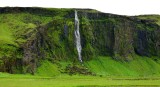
x=5, y=35
x=47, y=69
x=106, y=66
x=151, y=17
x=14, y=26
x=139, y=67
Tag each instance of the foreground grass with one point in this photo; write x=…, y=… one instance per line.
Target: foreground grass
x=7, y=80
x=139, y=72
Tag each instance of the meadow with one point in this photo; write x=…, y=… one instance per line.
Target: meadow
x=109, y=73
x=9, y=80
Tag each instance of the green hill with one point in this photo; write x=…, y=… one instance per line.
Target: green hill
x=42, y=41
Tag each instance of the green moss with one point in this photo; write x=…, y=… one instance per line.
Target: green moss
x=47, y=69
x=6, y=35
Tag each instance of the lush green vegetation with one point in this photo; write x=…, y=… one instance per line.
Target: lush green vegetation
x=141, y=66
x=154, y=18
x=15, y=30
x=116, y=50
x=105, y=66
x=8, y=80
x=140, y=72
x=18, y=29
x=15, y=26
x=47, y=69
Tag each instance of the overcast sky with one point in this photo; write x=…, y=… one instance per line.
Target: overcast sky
x=122, y=7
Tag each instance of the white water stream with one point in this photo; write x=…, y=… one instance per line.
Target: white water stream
x=78, y=37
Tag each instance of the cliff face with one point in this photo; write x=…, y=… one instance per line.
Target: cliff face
x=119, y=36
x=48, y=34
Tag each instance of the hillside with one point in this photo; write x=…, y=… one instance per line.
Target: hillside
x=50, y=42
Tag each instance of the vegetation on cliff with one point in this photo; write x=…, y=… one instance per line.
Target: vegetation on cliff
x=41, y=41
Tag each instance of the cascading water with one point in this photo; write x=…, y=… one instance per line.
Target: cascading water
x=78, y=37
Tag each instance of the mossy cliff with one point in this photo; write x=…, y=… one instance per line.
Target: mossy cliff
x=29, y=36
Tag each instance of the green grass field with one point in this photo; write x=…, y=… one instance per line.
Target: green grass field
x=8, y=80
x=109, y=73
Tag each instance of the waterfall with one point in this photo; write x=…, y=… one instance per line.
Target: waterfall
x=78, y=37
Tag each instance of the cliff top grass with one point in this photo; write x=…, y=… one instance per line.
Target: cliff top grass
x=155, y=18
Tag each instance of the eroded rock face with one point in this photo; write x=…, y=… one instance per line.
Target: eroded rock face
x=101, y=35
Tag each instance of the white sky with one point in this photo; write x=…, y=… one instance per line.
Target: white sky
x=121, y=7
